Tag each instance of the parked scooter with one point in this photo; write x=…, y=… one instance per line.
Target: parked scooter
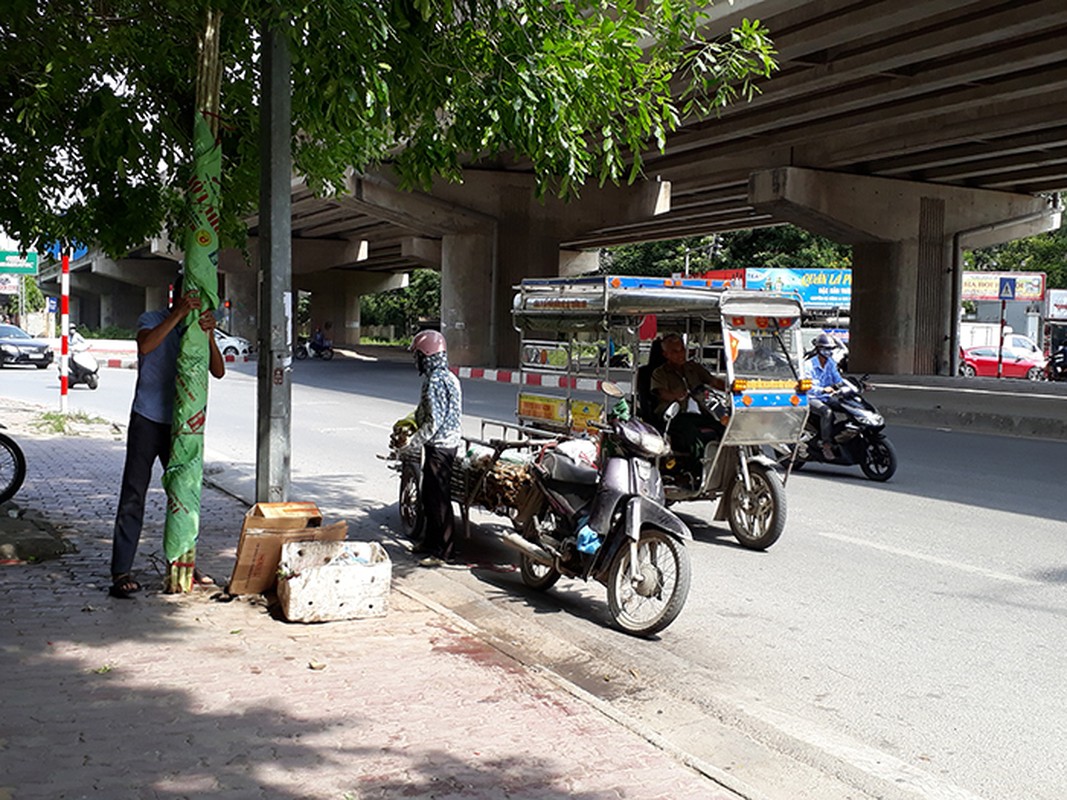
x=305, y=349
x=1056, y=367
x=609, y=523
x=857, y=436
x=12, y=467
x=83, y=366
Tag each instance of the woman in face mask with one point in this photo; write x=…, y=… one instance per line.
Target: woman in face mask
x=438, y=435
x=825, y=377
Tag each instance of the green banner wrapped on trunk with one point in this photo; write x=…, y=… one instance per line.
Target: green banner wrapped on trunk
x=183, y=477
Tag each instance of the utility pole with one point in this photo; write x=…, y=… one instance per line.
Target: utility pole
x=274, y=390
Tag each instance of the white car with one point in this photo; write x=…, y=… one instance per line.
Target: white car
x=230, y=345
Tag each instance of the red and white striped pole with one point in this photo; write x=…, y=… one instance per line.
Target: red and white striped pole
x=64, y=330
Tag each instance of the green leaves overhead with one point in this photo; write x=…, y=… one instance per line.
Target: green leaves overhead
x=96, y=98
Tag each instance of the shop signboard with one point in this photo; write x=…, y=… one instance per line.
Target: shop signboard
x=1029, y=286
x=13, y=262
x=818, y=288
x=1057, y=305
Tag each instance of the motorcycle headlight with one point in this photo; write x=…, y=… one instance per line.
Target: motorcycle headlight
x=644, y=438
x=868, y=417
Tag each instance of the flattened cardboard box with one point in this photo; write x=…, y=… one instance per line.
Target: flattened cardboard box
x=267, y=526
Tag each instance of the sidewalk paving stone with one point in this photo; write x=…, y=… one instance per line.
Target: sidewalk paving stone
x=170, y=696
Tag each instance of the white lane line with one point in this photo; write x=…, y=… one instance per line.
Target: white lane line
x=377, y=425
x=941, y=562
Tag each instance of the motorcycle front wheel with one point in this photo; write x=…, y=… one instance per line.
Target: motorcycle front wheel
x=92, y=381
x=757, y=515
x=649, y=600
x=12, y=468
x=880, y=460
x=537, y=575
x=300, y=353
x=409, y=502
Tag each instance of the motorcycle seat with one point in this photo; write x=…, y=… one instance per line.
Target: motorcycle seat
x=565, y=470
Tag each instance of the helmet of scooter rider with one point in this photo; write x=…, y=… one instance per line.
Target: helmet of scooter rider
x=428, y=343
x=823, y=345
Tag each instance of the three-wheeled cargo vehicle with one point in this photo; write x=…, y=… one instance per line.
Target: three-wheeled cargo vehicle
x=576, y=333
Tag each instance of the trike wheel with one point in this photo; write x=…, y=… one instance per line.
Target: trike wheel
x=757, y=515
x=537, y=575
x=408, y=502
x=650, y=599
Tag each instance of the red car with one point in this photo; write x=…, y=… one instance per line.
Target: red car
x=982, y=361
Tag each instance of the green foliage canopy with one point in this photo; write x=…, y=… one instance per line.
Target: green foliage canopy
x=1046, y=252
x=96, y=99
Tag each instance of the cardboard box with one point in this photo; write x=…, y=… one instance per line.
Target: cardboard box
x=268, y=526
x=323, y=581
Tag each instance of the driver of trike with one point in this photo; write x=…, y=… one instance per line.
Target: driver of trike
x=686, y=381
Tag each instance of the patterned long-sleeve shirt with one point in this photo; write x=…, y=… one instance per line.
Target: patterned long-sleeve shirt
x=440, y=406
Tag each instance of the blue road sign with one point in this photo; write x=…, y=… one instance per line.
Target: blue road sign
x=1007, y=289
x=53, y=304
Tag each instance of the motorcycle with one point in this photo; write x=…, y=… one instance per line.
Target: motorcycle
x=857, y=436
x=609, y=522
x=304, y=349
x=1056, y=367
x=84, y=367
x=12, y=467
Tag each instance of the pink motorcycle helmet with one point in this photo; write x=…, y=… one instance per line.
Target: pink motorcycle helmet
x=428, y=343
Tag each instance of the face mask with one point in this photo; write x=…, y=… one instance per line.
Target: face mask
x=825, y=352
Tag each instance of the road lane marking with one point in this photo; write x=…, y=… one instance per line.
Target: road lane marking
x=942, y=562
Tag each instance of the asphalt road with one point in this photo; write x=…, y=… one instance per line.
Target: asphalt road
x=901, y=640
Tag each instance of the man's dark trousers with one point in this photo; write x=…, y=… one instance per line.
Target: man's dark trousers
x=438, y=525
x=145, y=442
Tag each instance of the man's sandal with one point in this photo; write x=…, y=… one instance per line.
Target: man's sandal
x=124, y=587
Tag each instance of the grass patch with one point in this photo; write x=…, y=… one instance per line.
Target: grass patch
x=58, y=422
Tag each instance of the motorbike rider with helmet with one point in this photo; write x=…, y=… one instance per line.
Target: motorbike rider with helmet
x=438, y=434
x=825, y=377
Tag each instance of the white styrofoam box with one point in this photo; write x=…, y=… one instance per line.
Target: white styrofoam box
x=321, y=581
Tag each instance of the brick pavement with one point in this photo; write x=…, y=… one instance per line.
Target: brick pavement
x=190, y=697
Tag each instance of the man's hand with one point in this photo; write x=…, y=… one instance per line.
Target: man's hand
x=186, y=303
x=208, y=323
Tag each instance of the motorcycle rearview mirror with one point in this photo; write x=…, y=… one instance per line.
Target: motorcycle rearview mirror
x=671, y=411
x=612, y=389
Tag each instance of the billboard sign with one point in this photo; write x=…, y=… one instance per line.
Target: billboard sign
x=1057, y=304
x=1029, y=286
x=13, y=262
x=818, y=288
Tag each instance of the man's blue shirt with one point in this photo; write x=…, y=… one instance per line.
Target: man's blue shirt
x=156, y=372
x=822, y=376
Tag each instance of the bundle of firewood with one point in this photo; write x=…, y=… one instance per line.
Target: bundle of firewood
x=503, y=485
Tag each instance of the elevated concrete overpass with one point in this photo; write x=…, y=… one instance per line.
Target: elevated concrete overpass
x=910, y=129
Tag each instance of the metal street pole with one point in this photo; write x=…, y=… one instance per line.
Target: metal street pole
x=274, y=387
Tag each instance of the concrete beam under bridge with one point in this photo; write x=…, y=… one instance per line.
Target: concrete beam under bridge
x=906, y=237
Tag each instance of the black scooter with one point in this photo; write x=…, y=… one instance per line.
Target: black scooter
x=857, y=436
x=1056, y=368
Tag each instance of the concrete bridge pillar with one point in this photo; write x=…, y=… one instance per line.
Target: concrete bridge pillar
x=906, y=241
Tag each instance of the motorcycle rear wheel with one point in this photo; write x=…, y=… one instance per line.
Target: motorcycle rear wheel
x=879, y=460
x=12, y=468
x=664, y=571
x=537, y=575
x=327, y=354
x=757, y=516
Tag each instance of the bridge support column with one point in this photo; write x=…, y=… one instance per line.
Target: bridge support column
x=905, y=278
